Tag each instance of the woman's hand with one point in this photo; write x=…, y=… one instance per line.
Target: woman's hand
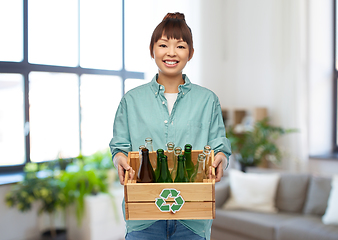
x=122, y=166
x=219, y=160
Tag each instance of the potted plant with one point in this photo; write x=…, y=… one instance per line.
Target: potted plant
x=101, y=162
x=46, y=190
x=56, y=185
x=86, y=187
x=79, y=184
x=257, y=146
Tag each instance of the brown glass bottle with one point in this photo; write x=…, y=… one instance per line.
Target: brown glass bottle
x=149, y=146
x=146, y=172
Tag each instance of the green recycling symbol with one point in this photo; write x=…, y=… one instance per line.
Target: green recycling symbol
x=165, y=194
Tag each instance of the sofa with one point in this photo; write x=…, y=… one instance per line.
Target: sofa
x=300, y=201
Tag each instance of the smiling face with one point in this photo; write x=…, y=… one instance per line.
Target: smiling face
x=171, y=56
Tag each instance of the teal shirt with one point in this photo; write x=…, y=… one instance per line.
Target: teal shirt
x=196, y=118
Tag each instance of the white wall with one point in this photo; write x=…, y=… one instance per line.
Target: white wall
x=261, y=53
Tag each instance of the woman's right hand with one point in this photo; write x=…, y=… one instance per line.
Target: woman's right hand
x=122, y=166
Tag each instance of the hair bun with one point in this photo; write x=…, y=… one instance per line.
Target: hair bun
x=175, y=15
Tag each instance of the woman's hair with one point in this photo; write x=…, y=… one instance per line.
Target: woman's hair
x=174, y=26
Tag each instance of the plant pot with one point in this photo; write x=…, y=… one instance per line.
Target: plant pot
x=60, y=235
x=100, y=220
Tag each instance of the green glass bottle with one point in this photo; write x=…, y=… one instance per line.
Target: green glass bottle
x=160, y=153
x=182, y=175
x=165, y=176
x=177, y=152
x=170, y=155
x=199, y=173
x=189, y=165
x=146, y=172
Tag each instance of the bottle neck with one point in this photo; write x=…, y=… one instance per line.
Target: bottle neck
x=187, y=155
x=158, y=159
x=145, y=158
x=180, y=167
x=200, y=165
x=164, y=168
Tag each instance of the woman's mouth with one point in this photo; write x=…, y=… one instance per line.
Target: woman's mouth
x=170, y=63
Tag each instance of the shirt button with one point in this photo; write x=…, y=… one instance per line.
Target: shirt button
x=165, y=121
x=163, y=102
x=161, y=87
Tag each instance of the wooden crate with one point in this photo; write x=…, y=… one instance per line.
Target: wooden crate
x=185, y=200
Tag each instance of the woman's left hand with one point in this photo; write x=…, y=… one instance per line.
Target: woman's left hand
x=220, y=159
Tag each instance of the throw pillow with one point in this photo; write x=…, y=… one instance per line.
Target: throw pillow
x=291, y=192
x=252, y=191
x=318, y=195
x=331, y=213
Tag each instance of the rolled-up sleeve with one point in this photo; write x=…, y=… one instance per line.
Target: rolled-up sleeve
x=121, y=136
x=217, y=138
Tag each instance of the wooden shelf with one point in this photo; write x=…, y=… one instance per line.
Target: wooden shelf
x=236, y=116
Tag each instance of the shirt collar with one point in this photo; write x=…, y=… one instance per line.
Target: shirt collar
x=159, y=89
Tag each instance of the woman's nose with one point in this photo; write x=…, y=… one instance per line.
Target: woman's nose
x=171, y=51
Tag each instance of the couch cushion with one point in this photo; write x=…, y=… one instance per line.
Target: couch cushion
x=252, y=224
x=318, y=195
x=306, y=228
x=331, y=213
x=252, y=191
x=222, y=191
x=291, y=192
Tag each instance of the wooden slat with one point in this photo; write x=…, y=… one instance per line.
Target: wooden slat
x=145, y=192
x=190, y=210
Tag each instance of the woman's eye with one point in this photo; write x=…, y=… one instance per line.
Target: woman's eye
x=182, y=47
x=163, y=45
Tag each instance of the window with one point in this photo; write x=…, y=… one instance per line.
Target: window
x=11, y=28
x=64, y=66
x=62, y=75
x=53, y=115
x=12, y=138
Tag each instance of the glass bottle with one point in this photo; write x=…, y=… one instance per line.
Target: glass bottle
x=199, y=173
x=140, y=152
x=160, y=153
x=149, y=146
x=207, y=151
x=146, y=172
x=189, y=165
x=177, y=152
x=182, y=175
x=165, y=176
x=170, y=155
